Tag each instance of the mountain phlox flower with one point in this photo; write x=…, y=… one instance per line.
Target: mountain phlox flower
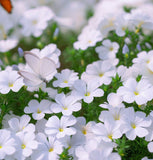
x=35, y=20
x=65, y=104
x=113, y=114
x=100, y=71
x=25, y=144
x=48, y=148
x=7, y=143
x=94, y=155
x=65, y=79
x=121, y=24
x=108, y=50
x=88, y=38
x=107, y=131
x=40, y=125
x=150, y=147
x=71, y=142
x=106, y=24
x=149, y=136
x=82, y=152
x=50, y=91
x=140, y=92
x=144, y=62
x=21, y=124
x=114, y=101
x=37, y=109
x=60, y=127
x=10, y=80
x=83, y=129
x=125, y=73
x=135, y=124
x=8, y=44
x=86, y=91
x=140, y=20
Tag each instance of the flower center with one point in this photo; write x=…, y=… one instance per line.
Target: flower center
x=34, y=22
x=111, y=48
x=133, y=125
x=61, y=129
x=51, y=149
x=110, y=136
x=136, y=93
x=38, y=111
x=101, y=74
x=0, y=147
x=10, y=84
x=65, y=108
x=23, y=146
x=65, y=81
x=87, y=94
x=84, y=131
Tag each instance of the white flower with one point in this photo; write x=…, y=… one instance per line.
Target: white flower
x=48, y=148
x=65, y=79
x=34, y=21
x=121, y=24
x=10, y=80
x=135, y=124
x=7, y=143
x=83, y=129
x=141, y=20
x=150, y=147
x=60, y=128
x=108, y=50
x=21, y=124
x=125, y=73
x=107, y=131
x=37, y=109
x=25, y=144
x=8, y=44
x=87, y=91
x=65, y=104
x=100, y=71
x=140, y=92
x=88, y=38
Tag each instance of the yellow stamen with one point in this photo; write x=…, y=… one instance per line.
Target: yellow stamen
x=110, y=136
x=111, y=48
x=69, y=147
x=133, y=125
x=61, y=129
x=101, y=74
x=89, y=41
x=116, y=117
x=0, y=147
x=84, y=131
x=136, y=93
x=148, y=61
x=65, y=108
x=10, y=84
x=38, y=111
x=150, y=71
x=34, y=22
x=87, y=94
x=51, y=149
x=65, y=81
x=23, y=146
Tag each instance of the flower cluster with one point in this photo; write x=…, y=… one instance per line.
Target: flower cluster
x=96, y=113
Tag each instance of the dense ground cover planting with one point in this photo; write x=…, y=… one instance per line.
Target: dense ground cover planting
x=76, y=80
